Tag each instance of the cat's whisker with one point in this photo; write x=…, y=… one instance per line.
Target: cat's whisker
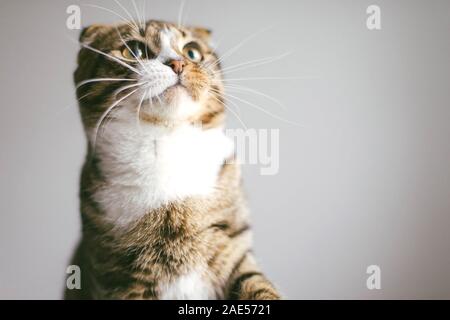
x=262, y=109
x=130, y=24
x=216, y=45
x=146, y=34
x=180, y=13
x=159, y=99
x=144, y=15
x=150, y=99
x=64, y=109
x=238, y=46
x=215, y=94
x=186, y=15
x=109, y=118
x=229, y=96
x=222, y=94
x=138, y=15
x=112, y=58
x=116, y=93
x=131, y=51
x=144, y=9
x=269, y=78
x=132, y=19
x=85, y=95
x=250, y=90
x=254, y=63
x=105, y=114
x=82, y=83
x=237, y=113
x=138, y=111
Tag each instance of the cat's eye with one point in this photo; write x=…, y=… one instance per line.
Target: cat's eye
x=135, y=50
x=192, y=52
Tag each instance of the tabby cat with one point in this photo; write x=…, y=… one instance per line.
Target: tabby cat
x=163, y=214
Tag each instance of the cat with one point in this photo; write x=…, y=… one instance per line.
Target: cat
x=163, y=212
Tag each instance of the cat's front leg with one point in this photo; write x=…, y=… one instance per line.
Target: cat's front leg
x=248, y=283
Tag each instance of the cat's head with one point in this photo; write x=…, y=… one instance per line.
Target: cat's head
x=165, y=74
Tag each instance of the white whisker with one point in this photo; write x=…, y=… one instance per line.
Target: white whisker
x=261, y=109
x=253, y=63
x=214, y=96
x=131, y=25
x=72, y=105
x=132, y=20
x=116, y=93
x=250, y=90
x=186, y=16
x=144, y=9
x=112, y=58
x=138, y=15
x=102, y=118
x=239, y=45
x=82, y=83
x=268, y=78
x=180, y=13
x=138, y=111
x=131, y=51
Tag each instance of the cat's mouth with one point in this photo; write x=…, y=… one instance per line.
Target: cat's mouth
x=177, y=86
x=157, y=92
x=175, y=91
x=171, y=91
x=174, y=103
x=175, y=95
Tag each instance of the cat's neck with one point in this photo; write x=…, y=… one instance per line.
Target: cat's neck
x=145, y=166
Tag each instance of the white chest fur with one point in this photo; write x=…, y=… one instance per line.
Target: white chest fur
x=186, y=287
x=146, y=166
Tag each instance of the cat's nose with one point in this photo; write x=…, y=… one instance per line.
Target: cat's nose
x=176, y=65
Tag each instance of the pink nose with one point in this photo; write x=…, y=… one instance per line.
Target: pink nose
x=176, y=65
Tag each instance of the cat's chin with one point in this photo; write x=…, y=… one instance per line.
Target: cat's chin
x=175, y=94
x=175, y=104
x=170, y=96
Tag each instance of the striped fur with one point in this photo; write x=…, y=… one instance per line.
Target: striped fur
x=193, y=245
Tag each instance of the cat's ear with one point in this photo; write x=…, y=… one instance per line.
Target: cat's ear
x=89, y=34
x=201, y=33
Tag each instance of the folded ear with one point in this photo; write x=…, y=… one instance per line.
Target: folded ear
x=201, y=33
x=89, y=34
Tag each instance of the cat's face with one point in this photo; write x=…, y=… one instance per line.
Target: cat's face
x=162, y=73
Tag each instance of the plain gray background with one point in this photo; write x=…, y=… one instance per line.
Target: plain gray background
x=364, y=180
